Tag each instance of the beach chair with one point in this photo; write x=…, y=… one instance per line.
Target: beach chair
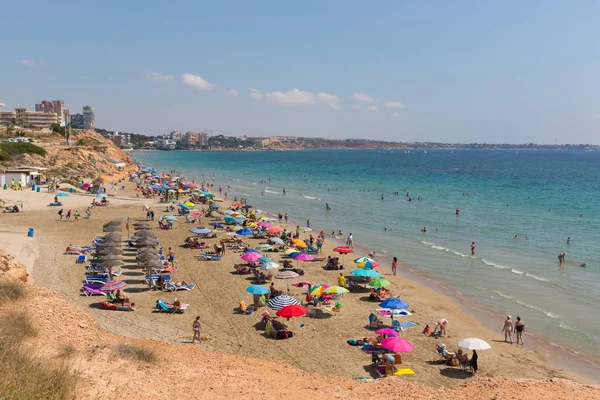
x=397, y=326
x=117, y=307
x=172, y=287
x=90, y=289
x=164, y=307
x=244, y=309
x=96, y=279
x=81, y=259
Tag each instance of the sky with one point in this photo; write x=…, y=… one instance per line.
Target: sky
x=439, y=71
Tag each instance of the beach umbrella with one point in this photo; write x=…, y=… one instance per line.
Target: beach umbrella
x=111, y=263
x=152, y=264
x=143, y=228
x=110, y=251
x=145, y=243
x=244, y=232
x=110, y=242
x=295, y=253
x=62, y=195
x=278, y=302
x=200, y=231
x=317, y=290
x=184, y=207
x=304, y=257
x=229, y=220
x=169, y=217
x=101, y=196
x=343, y=250
x=141, y=223
x=264, y=224
x=264, y=259
x=145, y=234
x=474, y=344
x=299, y=243
x=111, y=228
x=394, y=303
x=115, y=223
x=269, y=265
x=236, y=205
x=274, y=229
x=212, y=196
x=366, y=273
x=173, y=201
x=397, y=345
x=251, y=257
x=255, y=289
x=362, y=259
x=229, y=212
x=287, y=275
x=189, y=204
x=294, y=310
x=113, y=235
x=387, y=331
x=276, y=240
x=336, y=290
x=367, y=264
x=113, y=285
x=379, y=282
x=216, y=225
x=247, y=206
x=251, y=251
x=196, y=214
x=110, y=257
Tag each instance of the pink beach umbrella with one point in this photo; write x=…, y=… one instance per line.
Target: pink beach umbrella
x=251, y=256
x=265, y=224
x=387, y=331
x=397, y=345
x=274, y=229
x=304, y=257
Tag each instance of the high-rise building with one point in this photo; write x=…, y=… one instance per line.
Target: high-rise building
x=89, y=119
x=55, y=106
x=77, y=121
x=176, y=136
x=25, y=118
x=203, y=139
x=191, y=138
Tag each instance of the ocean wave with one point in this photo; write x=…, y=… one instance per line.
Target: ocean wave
x=269, y=191
x=537, y=278
x=491, y=264
x=499, y=293
x=242, y=187
x=310, y=197
x=546, y=313
x=516, y=271
x=442, y=248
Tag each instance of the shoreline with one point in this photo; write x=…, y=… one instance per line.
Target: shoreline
x=117, y=323
x=558, y=355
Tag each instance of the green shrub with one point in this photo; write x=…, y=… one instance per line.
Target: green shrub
x=136, y=352
x=11, y=289
x=9, y=150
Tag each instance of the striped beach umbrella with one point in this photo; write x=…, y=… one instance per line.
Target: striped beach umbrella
x=277, y=303
x=113, y=285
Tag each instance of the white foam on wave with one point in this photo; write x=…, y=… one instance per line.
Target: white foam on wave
x=516, y=271
x=546, y=313
x=491, y=264
x=537, y=278
x=269, y=191
x=446, y=249
x=310, y=197
x=499, y=293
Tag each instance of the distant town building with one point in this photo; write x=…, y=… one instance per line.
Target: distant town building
x=55, y=106
x=120, y=139
x=165, y=144
x=194, y=139
x=26, y=118
x=89, y=118
x=77, y=121
x=176, y=136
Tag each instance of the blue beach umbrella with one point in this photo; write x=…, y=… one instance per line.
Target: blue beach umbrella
x=100, y=196
x=255, y=289
x=62, y=195
x=200, y=231
x=244, y=232
x=216, y=225
x=229, y=220
x=184, y=207
x=366, y=273
x=394, y=303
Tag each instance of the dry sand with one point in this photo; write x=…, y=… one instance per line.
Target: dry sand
x=318, y=348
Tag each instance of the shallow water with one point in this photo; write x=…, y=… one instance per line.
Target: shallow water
x=537, y=195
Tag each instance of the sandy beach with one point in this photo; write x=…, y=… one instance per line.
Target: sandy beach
x=320, y=343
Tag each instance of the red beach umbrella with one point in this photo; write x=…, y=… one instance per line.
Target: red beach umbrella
x=292, y=311
x=343, y=250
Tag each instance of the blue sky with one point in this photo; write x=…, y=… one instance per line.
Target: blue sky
x=460, y=71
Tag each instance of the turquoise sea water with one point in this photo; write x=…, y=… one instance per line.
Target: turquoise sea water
x=537, y=195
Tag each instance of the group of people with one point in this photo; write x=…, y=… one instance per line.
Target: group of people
x=518, y=327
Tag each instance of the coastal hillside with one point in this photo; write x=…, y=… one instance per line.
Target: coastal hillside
x=88, y=157
x=81, y=360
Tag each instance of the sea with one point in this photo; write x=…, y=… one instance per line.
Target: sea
x=519, y=207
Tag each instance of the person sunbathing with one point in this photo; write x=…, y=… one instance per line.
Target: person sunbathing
x=122, y=298
x=462, y=357
x=180, y=284
x=176, y=304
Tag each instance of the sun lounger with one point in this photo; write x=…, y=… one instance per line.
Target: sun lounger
x=96, y=279
x=81, y=259
x=210, y=257
x=172, y=287
x=165, y=277
x=90, y=289
x=161, y=306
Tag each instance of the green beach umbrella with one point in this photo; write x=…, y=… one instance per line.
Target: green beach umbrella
x=379, y=282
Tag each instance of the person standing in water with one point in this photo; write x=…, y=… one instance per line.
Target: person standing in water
x=519, y=329
x=569, y=240
x=284, y=191
x=394, y=265
x=472, y=248
x=350, y=241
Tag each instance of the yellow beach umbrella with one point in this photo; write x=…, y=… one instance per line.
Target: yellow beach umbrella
x=189, y=204
x=290, y=251
x=299, y=243
x=317, y=290
x=336, y=290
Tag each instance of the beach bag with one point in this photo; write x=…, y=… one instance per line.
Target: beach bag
x=352, y=342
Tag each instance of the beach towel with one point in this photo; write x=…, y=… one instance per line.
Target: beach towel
x=404, y=371
x=408, y=324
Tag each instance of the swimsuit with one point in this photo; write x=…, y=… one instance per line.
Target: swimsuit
x=519, y=328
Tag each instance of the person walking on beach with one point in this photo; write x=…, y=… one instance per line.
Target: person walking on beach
x=196, y=327
x=286, y=217
x=350, y=241
x=308, y=224
x=508, y=328
x=320, y=244
x=68, y=216
x=394, y=265
x=76, y=215
x=280, y=217
x=472, y=248
x=171, y=254
x=341, y=280
x=60, y=214
x=519, y=329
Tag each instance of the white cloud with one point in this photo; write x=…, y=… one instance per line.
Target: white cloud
x=396, y=115
x=293, y=97
x=331, y=100
x=231, y=92
x=196, y=82
x=28, y=62
x=256, y=94
x=396, y=105
x=357, y=107
x=372, y=108
x=157, y=77
x=363, y=98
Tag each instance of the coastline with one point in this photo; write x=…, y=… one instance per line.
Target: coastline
x=558, y=355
